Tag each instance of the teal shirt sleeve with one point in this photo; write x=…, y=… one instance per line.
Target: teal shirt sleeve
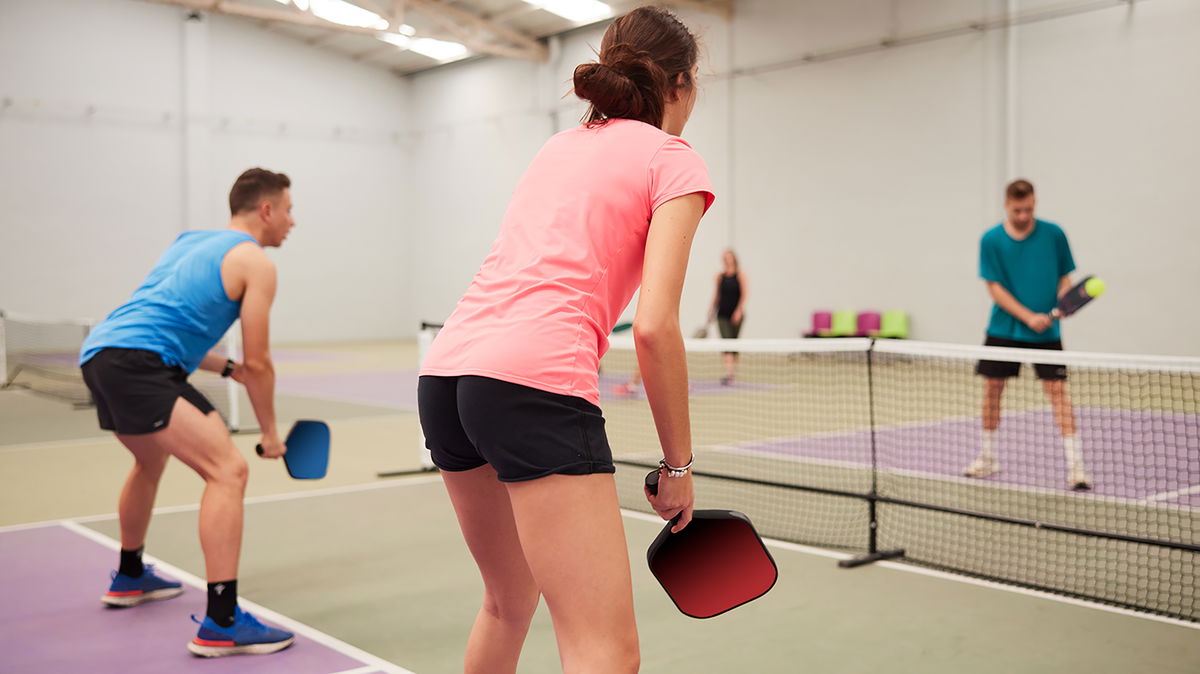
x=989, y=268
x=1066, y=263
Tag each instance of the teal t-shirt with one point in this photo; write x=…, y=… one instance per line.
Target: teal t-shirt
x=1029, y=269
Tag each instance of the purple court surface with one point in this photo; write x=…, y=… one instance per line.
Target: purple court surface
x=696, y=387
x=1136, y=456
x=382, y=388
x=398, y=388
x=54, y=620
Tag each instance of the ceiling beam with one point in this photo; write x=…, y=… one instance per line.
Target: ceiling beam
x=472, y=30
x=471, y=27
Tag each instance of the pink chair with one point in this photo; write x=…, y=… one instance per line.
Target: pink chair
x=868, y=323
x=822, y=323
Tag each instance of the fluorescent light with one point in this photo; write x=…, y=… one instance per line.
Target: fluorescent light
x=302, y=5
x=438, y=50
x=406, y=29
x=341, y=12
x=401, y=41
x=579, y=11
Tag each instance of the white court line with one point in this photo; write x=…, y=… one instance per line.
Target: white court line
x=268, y=498
x=360, y=670
x=1168, y=495
x=64, y=444
x=376, y=663
x=909, y=568
x=945, y=575
x=956, y=479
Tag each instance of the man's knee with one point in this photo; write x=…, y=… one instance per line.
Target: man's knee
x=231, y=470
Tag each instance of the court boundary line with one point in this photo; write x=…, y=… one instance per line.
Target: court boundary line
x=1144, y=501
x=253, y=500
x=371, y=662
x=77, y=526
x=945, y=575
x=1168, y=495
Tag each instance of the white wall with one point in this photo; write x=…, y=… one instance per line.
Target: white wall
x=88, y=200
x=865, y=182
x=858, y=182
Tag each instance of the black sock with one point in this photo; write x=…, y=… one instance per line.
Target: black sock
x=222, y=600
x=131, y=563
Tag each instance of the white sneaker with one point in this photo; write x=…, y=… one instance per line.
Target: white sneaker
x=1077, y=477
x=982, y=467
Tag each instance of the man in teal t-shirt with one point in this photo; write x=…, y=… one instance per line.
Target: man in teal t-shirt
x=1025, y=263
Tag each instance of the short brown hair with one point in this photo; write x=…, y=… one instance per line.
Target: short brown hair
x=252, y=186
x=642, y=54
x=1018, y=190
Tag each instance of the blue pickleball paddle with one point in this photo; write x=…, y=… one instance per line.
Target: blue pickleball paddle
x=307, y=456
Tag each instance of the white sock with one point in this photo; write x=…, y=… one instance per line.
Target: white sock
x=1072, y=451
x=987, y=451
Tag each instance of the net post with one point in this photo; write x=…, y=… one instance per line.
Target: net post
x=873, y=552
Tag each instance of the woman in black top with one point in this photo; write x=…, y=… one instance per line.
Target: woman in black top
x=728, y=302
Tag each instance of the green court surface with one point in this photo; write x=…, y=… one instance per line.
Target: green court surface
x=380, y=565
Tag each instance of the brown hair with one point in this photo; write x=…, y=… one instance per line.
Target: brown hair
x=642, y=56
x=253, y=186
x=1018, y=190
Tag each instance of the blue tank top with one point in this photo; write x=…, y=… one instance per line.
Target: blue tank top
x=181, y=310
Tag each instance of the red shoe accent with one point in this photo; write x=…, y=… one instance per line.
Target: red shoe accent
x=204, y=642
x=127, y=593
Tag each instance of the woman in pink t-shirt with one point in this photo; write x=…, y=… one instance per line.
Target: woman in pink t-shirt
x=508, y=392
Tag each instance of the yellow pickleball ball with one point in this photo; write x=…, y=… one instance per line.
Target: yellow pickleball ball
x=1095, y=287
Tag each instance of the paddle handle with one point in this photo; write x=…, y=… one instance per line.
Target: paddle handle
x=259, y=449
x=652, y=487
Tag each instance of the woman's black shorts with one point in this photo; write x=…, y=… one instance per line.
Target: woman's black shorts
x=523, y=432
x=135, y=391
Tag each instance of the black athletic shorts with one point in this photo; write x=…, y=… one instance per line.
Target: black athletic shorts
x=135, y=391
x=523, y=432
x=999, y=369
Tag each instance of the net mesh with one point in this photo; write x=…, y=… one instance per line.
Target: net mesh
x=813, y=436
x=41, y=355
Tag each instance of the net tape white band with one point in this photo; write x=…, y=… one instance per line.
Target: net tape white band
x=936, y=350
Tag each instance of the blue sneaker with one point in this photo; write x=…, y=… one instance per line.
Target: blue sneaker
x=245, y=635
x=127, y=591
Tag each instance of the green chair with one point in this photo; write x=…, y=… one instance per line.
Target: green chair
x=843, y=324
x=893, y=325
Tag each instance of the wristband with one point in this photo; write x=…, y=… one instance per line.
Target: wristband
x=676, y=471
x=229, y=365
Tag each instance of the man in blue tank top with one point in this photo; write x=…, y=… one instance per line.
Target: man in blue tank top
x=1025, y=263
x=136, y=363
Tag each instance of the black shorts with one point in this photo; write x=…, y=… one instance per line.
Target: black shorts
x=999, y=369
x=135, y=391
x=728, y=329
x=523, y=432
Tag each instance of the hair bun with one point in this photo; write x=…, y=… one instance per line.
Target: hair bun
x=626, y=83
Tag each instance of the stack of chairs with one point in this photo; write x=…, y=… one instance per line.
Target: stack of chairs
x=847, y=323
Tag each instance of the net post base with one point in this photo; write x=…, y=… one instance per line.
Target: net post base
x=870, y=558
x=404, y=473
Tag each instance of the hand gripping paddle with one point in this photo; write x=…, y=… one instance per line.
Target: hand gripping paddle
x=717, y=563
x=1073, y=300
x=307, y=456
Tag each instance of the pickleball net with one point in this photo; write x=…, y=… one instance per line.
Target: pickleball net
x=863, y=445
x=40, y=355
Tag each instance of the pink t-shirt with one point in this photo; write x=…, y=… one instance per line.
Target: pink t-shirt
x=568, y=258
